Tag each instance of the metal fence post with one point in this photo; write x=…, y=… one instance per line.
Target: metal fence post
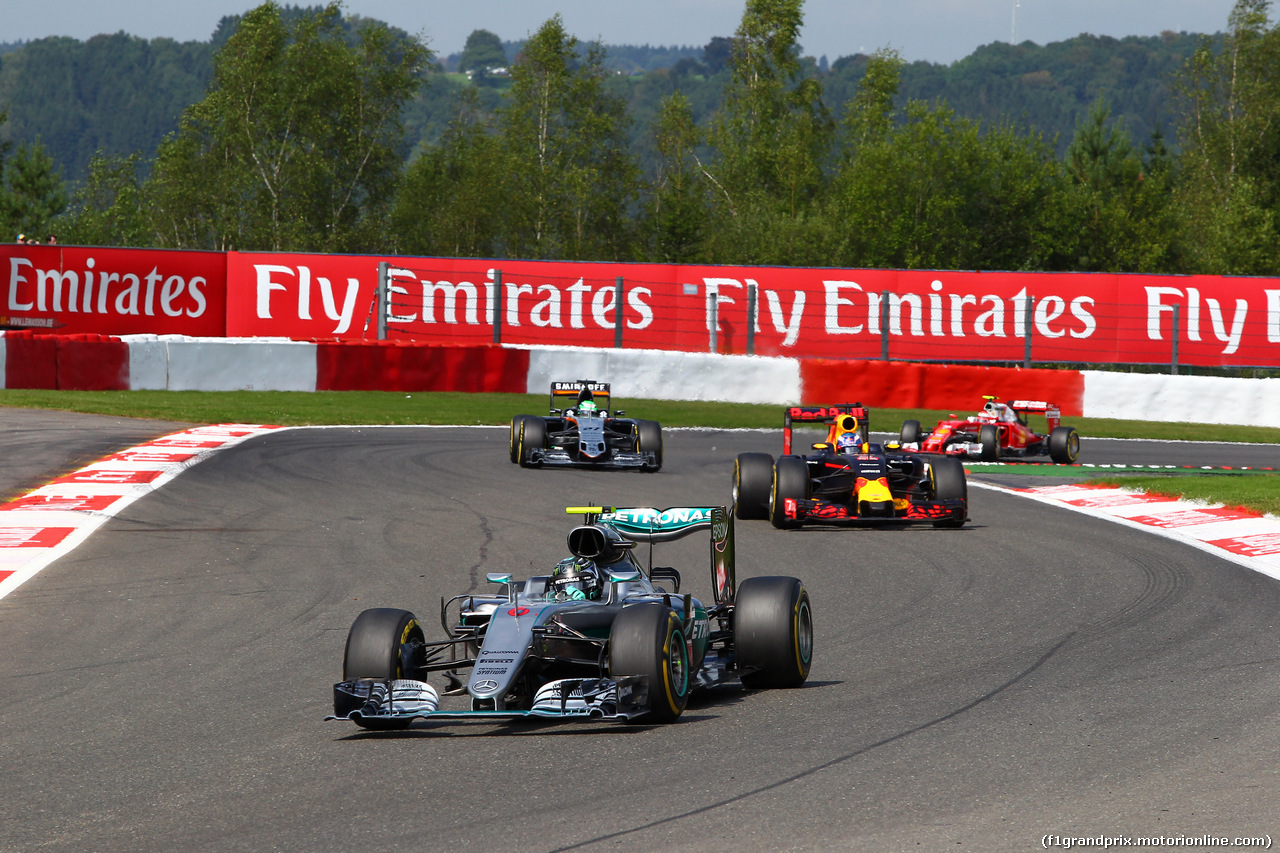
x=884, y=325
x=1028, y=316
x=751, y=318
x=617, y=313
x=497, y=306
x=382, y=300
x=713, y=299
x=1173, y=362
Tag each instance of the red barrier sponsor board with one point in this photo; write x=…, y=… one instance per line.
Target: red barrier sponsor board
x=953, y=387
x=926, y=315
x=71, y=289
x=839, y=314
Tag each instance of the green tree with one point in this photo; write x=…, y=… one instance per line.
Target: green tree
x=772, y=137
x=108, y=209
x=570, y=177
x=482, y=52
x=33, y=193
x=675, y=218
x=937, y=192
x=296, y=144
x=1228, y=185
x=869, y=114
x=451, y=199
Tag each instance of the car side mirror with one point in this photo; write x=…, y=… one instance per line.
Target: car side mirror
x=665, y=573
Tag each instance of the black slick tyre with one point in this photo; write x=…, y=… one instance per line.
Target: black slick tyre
x=513, y=444
x=533, y=436
x=989, y=438
x=649, y=438
x=910, y=433
x=752, y=481
x=790, y=481
x=1064, y=445
x=949, y=483
x=376, y=648
x=648, y=640
x=773, y=632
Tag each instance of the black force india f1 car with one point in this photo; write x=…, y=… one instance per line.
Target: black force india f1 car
x=581, y=432
x=603, y=636
x=848, y=478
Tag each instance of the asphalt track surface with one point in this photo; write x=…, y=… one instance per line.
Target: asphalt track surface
x=1037, y=672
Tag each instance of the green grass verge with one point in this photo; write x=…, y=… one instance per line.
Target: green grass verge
x=293, y=408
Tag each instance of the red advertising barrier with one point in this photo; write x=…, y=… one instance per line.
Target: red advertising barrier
x=93, y=363
x=31, y=361
x=81, y=289
x=919, y=315
x=959, y=388
x=66, y=362
x=390, y=366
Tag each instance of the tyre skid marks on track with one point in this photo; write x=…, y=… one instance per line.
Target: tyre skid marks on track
x=1249, y=539
x=42, y=525
x=1017, y=678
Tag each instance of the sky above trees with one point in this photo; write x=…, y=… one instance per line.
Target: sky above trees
x=931, y=30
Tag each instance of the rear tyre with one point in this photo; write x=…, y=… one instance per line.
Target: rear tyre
x=377, y=647
x=790, y=480
x=1064, y=445
x=513, y=444
x=649, y=437
x=989, y=438
x=752, y=481
x=648, y=640
x=533, y=436
x=910, y=433
x=773, y=631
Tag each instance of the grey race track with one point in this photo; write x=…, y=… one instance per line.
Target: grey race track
x=1038, y=672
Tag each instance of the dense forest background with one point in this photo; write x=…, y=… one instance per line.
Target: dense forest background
x=300, y=128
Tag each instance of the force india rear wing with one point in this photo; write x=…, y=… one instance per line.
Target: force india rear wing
x=564, y=395
x=646, y=524
x=829, y=415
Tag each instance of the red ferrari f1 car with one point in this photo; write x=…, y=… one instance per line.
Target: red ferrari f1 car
x=999, y=431
x=847, y=478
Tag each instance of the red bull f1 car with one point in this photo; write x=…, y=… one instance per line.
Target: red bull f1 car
x=603, y=636
x=847, y=478
x=582, y=432
x=999, y=431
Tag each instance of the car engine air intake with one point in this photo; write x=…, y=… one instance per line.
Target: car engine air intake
x=589, y=542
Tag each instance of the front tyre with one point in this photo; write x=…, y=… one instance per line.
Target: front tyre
x=752, y=481
x=648, y=640
x=790, y=481
x=379, y=646
x=989, y=438
x=513, y=444
x=910, y=433
x=1064, y=445
x=773, y=632
x=533, y=436
x=949, y=483
x=649, y=438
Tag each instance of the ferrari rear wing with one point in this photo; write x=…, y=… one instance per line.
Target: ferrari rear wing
x=646, y=524
x=567, y=395
x=1047, y=409
x=828, y=415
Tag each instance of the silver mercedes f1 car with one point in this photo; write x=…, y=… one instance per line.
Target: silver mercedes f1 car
x=604, y=636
